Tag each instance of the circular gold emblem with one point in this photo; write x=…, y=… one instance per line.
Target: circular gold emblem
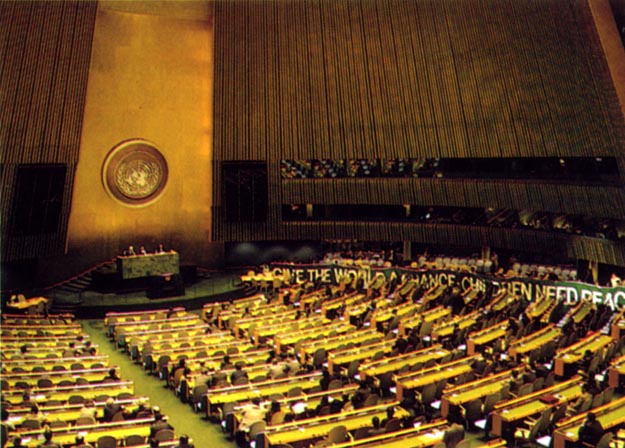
x=134, y=172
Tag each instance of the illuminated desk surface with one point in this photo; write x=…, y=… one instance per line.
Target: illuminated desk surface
x=611, y=416
x=67, y=436
x=88, y=391
x=525, y=406
x=575, y=352
x=534, y=341
x=429, y=375
x=425, y=435
x=263, y=389
x=320, y=426
x=472, y=390
x=395, y=363
x=486, y=336
x=449, y=327
x=346, y=356
x=335, y=342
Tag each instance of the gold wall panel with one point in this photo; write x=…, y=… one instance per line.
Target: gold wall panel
x=151, y=77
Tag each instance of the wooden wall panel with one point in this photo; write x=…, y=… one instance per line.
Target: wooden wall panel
x=321, y=79
x=606, y=202
x=46, y=48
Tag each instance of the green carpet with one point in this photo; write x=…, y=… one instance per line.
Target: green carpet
x=181, y=417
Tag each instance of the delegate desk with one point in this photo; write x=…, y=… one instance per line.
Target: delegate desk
x=344, y=357
x=611, y=416
x=32, y=305
x=434, y=374
x=616, y=373
x=502, y=300
x=63, y=393
x=509, y=413
x=318, y=332
x=213, y=362
x=311, y=401
x=287, y=327
x=405, y=360
x=457, y=323
x=567, y=357
x=338, y=342
x=138, y=266
x=434, y=315
x=91, y=375
x=535, y=341
x=314, y=428
x=486, y=336
x=422, y=436
x=245, y=392
x=69, y=412
x=76, y=363
x=480, y=388
x=67, y=436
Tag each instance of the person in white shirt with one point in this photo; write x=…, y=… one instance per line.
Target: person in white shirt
x=250, y=414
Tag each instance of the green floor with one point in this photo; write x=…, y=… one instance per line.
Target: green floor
x=181, y=417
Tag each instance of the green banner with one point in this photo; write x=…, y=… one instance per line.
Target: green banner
x=569, y=292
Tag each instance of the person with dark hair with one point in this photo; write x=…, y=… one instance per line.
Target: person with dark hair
x=47, y=439
x=390, y=414
x=591, y=431
x=238, y=373
x=376, y=428
x=80, y=442
x=112, y=376
x=17, y=443
x=159, y=422
x=183, y=442
x=110, y=409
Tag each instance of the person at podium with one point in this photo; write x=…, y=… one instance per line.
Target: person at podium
x=130, y=251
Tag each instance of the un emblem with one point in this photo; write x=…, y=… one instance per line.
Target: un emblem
x=134, y=172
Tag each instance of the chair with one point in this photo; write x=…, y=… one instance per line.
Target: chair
x=319, y=358
x=256, y=428
x=472, y=411
x=31, y=424
x=335, y=384
x=164, y=435
x=362, y=433
x=371, y=400
x=134, y=440
x=338, y=434
x=118, y=416
x=464, y=444
x=44, y=382
x=392, y=425
x=76, y=399
x=277, y=418
x=196, y=396
x=107, y=442
x=295, y=392
x=240, y=381
x=85, y=421
x=605, y=441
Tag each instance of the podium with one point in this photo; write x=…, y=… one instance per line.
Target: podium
x=165, y=285
x=138, y=266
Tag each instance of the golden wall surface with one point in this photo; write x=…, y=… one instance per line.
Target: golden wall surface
x=151, y=77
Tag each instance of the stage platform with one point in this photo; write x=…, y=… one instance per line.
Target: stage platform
x=208, y=287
